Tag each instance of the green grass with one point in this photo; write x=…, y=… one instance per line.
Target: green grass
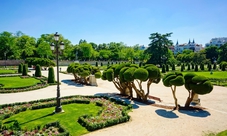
x=32, y=118
x=17, y=82
x=7, y=71
x=216, y=74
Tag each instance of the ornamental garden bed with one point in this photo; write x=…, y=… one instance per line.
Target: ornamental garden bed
x=81, y=115
x=13, y=84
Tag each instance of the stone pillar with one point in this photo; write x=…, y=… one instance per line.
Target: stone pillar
x=195, y=100
x=92, y=80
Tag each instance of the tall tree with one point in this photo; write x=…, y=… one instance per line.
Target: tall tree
x=25, y=46
x=87, y=50
x=158, y=47
x=222, y=53
x=212, y=53
x=7, y=41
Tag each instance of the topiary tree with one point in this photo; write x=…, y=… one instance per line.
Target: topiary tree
x=173, y=67
x=182, y=68
x=25, y=70
x=202, y=66
x=96, y=64
x=163, y=68
x=196, y=68
x=82, y=71
x=51, y=77
x=101, y=64
x=167, y=68
x=173, y=80
x=20, y=68
x=196, y=85
x=215, y=66
x=189, y=67
x=128, y=77
x=38, y=71
x=193, y=66
x=209, y=67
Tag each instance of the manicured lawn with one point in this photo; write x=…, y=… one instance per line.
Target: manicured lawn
x=216, y=74
x=32, y=118
x=17, y=82
x=7, y=71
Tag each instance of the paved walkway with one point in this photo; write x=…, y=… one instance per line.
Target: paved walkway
x=146, y=120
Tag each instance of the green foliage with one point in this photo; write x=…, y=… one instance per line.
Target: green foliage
x=40, y=61
x=98, y=75
x=202, y=66
x=223, y=65
x=175, y=79
x=182, y=68
x=101, y=64
x=38, y=71
x=193, y=66
x=96, y=64
x=198, y=84
x=25, y=70
x=109, y=74
x=189, y=68
x=20, y=68
x=196, y=68
x=167, y=68
x=215, y=66
x=173, y=67
x=163, y=69
x=141, y=74
x=51, y=77
x=209, y=67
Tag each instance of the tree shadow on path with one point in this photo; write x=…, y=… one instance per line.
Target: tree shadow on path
x=195, y=112
x=71, y=83
x=166, y=114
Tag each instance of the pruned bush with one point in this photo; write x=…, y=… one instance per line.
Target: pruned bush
x=20, y=68
x=196, y=68
x=38, y=71
x=173, y=67
x=167, y=68
x=25, y=70
x=51, y=78
x=172, y=80
x=196, y=85
x=163, y=68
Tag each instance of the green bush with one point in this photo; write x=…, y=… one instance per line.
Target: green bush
x=163, y=69
x=98, y=75
x=182, y=68
x=96, y=64
x=189, y=67
x=20, y=68
x=202, y=66
x=193, y=66
x=215, y=66
x=196, y=68
x=167, y=68
x=38, y=71
x=101, y=64
x=51, y=78
x=25, y=70
x=173, y=67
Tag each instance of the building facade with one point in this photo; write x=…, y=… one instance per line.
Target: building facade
x=217, y=41
x=179, y=48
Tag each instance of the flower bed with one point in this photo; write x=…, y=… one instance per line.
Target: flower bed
x=113, y=111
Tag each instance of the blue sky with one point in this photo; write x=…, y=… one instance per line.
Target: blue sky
x=128, y=21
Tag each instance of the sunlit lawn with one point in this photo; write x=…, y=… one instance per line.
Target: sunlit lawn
x=31, y=118
x=7, y=71
x=215, y=74
x=17, y=82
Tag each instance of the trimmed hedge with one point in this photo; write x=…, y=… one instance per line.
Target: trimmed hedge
x=51, y=78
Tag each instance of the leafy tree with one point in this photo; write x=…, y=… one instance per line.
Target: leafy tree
x=7, y=42
x=25, y=46
x=158, y=47
x=87, y=50
x=173, y=80
x=43, y=50
x=104, y=54
x=222, y=53
x=51, y=77
x=38, y=71
x=196, y=85
x=211, y=53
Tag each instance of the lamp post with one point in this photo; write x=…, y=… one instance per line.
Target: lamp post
x=55, y=46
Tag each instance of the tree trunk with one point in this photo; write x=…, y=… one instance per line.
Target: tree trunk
x=189, y=99
x=174, y=96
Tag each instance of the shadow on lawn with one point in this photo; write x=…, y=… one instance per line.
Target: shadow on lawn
x=50, y=114
x=166, y=114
